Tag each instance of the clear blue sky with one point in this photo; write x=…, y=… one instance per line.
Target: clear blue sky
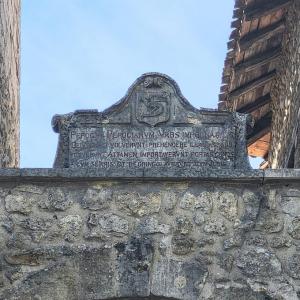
x=84, y=54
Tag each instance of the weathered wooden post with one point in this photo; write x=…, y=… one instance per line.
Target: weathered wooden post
x=9, y=83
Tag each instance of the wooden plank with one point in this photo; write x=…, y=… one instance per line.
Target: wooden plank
x=264, y=165
x=256, y=104
x=258, y=60
x=261, y=34
x=245, y=28
x=254, y=84
x=264, y=8
x=265, y=21
x=260, y=148
x=222, y=97
x=255, y=151
x=231, y=44
x=234, y=34
x=237, y=13
x=238, y=3
x=235, y=23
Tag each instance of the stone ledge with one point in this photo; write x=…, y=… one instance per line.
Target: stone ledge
x=281, y=174
x=72, y=174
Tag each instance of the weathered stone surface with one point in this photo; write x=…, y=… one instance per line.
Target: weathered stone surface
x=277, y=289
x=108, y=223
x=205, y=257
x=259, y=262
x=152, y=225
x=285, y=93
x=29, y=188
x=134, y=261
x=7, y=223
x=56, y=199
x=169, y=201
x=280, y=242
x=137, y=205
x=38, y=228
x=204, y=202
x=144, y=245
x=18, y=203
x=271, y=222
x=97, y=199
x=235, y=240
x=293, y=266
x=290, y=203
x=237, y=291
x=227, y=205
x=226, y=261
x=256, y=240
x=98, y=280
x=205, y=242
x=113, y=223
x=215, y=226
x=182, y=244
x=294, y=228
x=252, y=201
x=19, y=240
x=70, y=227
x=183, y=225
x=199, y=217
x=178, y=280
x=188, y=201
x=153, y=127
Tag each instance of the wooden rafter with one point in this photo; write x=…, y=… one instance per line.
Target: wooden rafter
x=261, y=128
x=261, y=34
x=256, y=83
x=258, y=103
x=258, y=60
x=260, y=147
x=264, y=8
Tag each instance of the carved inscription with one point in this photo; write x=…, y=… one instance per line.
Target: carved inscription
x=153, y=128
x=152, y=147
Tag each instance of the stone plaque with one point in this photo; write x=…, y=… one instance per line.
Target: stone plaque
x=152, y=127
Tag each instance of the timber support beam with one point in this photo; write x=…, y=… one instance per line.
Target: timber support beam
x=254, y=84
x=258, y=103
x=258, y=60
x=261, y=34
x=262, y=9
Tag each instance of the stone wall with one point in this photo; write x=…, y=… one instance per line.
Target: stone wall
x=79, y=235
x=286, y=92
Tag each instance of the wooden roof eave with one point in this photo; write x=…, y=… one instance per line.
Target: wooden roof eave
x=264, y=8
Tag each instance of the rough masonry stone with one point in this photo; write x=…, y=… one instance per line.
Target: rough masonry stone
x=104, y=238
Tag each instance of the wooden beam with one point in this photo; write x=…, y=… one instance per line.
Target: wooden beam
x=264, y=165
x=262, y=9
x=256, y=83
x=261, y=34
x=258, y=60
x=260, y=148
x=261, y=128
x=258, y=103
